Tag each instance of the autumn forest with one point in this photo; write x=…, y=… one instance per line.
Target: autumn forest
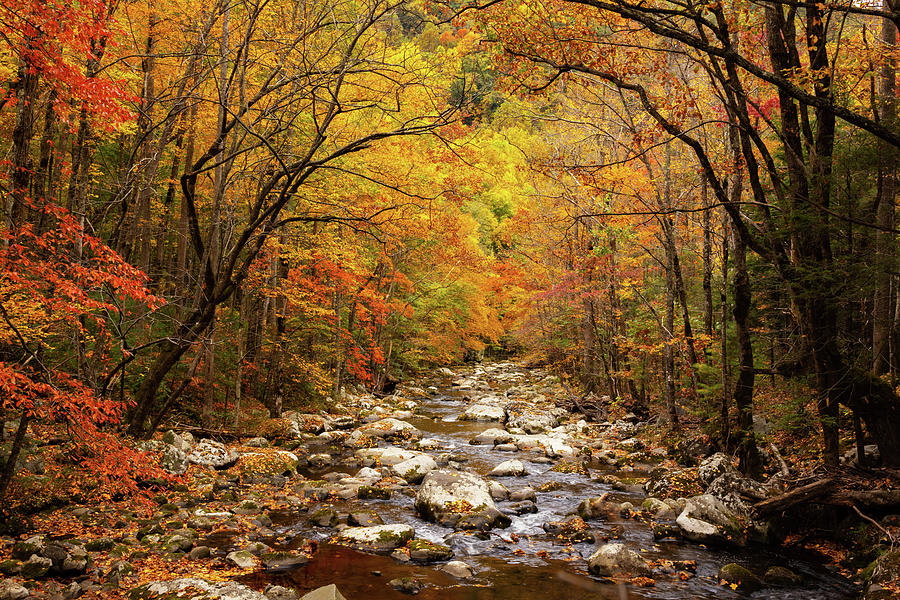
x=497, y=300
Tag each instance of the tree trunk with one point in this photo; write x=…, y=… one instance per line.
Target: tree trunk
x=884, y=239
x=707, y=262
x=750, y=463
x=669, y=348
x=26, y=88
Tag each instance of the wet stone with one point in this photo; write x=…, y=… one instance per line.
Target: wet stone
x=734, y=573
x=364, y=519
x=324, y=517
x=782, y=576
x=277, y=592
x=406, y=585
x=423, y=551
x=521, y=508
x=280, y=562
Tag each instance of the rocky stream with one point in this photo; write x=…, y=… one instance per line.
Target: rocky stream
x=470, y=485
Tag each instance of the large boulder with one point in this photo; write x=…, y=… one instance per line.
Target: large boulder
x=390, y=428
x=532, y=421
x=714, y=467
x=269, y=464
x=300, y=423
x=493, y=436
x=182, y=442
x=706, y=520
x=484, y=412
x=10, y=590
x=730, y=486
x=196, y=589
x=174, y=460
x=387, y=456
x=616, y=559
x=209, y=453
x=552, y=447
x=415, y=469
x=668, y=483
x=380, y=538
x=454, y=498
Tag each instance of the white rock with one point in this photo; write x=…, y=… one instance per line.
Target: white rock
x=415, y=469
x=616, y=559
x=509, y=468
x=379, y=538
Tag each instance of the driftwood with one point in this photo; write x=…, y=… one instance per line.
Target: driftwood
x=826, y=491
x=207, y=432
x=814, y=490
x=590, y=406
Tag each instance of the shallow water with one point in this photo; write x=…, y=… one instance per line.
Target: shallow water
x=523, y=561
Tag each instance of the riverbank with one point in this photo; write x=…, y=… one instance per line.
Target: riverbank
x=470, y=483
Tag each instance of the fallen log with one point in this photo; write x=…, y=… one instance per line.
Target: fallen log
x=874, y=499
x=816, y=489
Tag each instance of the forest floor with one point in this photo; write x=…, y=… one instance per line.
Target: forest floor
x=468, y=483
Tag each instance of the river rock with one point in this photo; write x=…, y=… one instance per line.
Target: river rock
x=368, y=476
x=732, y=482
x=523, y=507
x=35, y=567
x=25, y=548
x=430, y=444
x=406, y=585
x=177, y=588
x=326, y=592
x=596, y=508
x=379, y=539
x=301, y=423
x=658, y=508
x=534, y=421
x=498, y=490
x=573, y=530
x=277, y=592
x=173, y=439
x=447, y=496
x=745, y=579
x=691, y=451
x=174, y=460
x=458, y=569
x=391, y=429
x=10, y=590
x=782, y=576
x=209, y=453
x=415, y=469
x=705, y=519
x=616, y=559
x=367, y=518
x=715, y=466
x=667, y=483
x=271, y=464
x=423, y=551
x=552, y=447
x=241, y=559
x=509, y=468
x=324, y=517
x=388, y=456
x=484, y=412
x=521, y=494
x=493, y=436
x=280, y=562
